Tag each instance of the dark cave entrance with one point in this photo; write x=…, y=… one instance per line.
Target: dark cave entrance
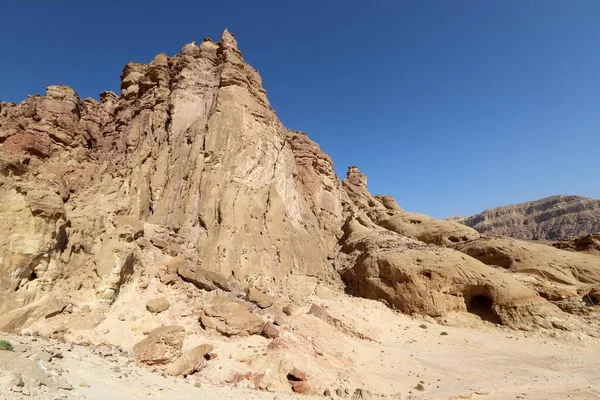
x=588, y=301
x=482, y=306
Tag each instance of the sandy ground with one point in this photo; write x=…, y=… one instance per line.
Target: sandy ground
x=93, y=377
x=479, y=362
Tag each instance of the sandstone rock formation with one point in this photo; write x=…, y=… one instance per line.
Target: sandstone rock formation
x=544, y=261
x=190, y=162
x=187, y=188
x=259, y=298
x=570, y=281
x=162, y=346
x=417, y=277
x=157, y=305
x=191, y=362
x=551, y=218
x=230, y=318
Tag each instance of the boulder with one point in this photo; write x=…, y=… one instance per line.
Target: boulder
x=270, y=331
x=202, y=278
x=162, y=346
x=288, y=310
x=230, y=318
x=298, y=380
x=156, y=306
x=259, y=298
x=191, y=362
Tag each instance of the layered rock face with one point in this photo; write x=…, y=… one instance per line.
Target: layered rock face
x=190, y=159
x=551, y=218
x=188, y=181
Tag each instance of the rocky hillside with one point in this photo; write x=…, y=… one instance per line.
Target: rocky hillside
x=551, y=218
x=181, y=215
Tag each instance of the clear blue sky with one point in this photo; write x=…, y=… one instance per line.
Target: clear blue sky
x=450, y=106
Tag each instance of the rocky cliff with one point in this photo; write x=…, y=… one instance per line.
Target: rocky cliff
x=186, y=194
x=551, y=218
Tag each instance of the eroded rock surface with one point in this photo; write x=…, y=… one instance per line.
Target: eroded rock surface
x=191, y=362
x=161, y=347
x=187, y=187
x=230, y=318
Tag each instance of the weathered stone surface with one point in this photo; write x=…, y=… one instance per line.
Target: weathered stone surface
x=191, y=362
x=287, y=310
x=540, y=260
x=270, y=331
x=161, y=347
x=202, y=278
x=157, y=305
x=259, y=298
x=230, y=318
x=298, y=380
x=415, y=277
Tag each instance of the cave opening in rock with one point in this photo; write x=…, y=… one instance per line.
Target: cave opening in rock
x=588, y=301
x=482, y=306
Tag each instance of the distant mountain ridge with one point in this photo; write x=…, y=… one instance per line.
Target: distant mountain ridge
x=551, y=218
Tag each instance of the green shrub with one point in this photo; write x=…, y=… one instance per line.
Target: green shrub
x=444, y=333
x=423, y=326
x=6, y=345
x=420, y=387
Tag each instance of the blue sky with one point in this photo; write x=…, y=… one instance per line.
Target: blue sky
x=451, y=106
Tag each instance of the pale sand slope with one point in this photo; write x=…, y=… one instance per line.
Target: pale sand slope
x=482, y=362
x=486, y=362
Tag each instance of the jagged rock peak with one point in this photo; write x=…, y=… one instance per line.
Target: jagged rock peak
x=190, y=49
x=355, y=177
x=62, y=92
x=228, y=40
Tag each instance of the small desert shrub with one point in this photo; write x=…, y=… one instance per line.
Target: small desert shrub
x=197, y=384
x=444, y=333
x=423, y=326
x=6, y=345
x=420, y=387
